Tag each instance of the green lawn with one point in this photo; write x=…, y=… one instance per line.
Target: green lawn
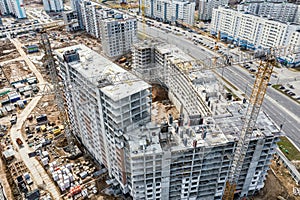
x=288, y=149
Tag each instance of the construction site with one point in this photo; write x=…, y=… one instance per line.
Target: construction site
x=76, y=124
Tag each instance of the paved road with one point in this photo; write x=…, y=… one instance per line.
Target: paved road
x=180, y=41
x=280, y=108
x=39, y=175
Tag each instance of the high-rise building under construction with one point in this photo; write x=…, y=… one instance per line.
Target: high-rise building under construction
x=186, y=158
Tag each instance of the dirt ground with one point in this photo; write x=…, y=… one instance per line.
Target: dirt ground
x=8, y=51
x=161, y=106
x=47, y=105
x=278, y=184
x=159, y=93
x=16, y=69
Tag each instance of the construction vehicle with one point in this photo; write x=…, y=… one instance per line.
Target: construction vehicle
x=122, y=60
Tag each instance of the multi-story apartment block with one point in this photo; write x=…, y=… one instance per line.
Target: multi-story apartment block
x=118, y=35
x=13, y=7
x=4, y=7
x=104, y=104
x=89, y=17
x=71, y=20
x=186, y=158
x=206, y=7
x=75, y=5
x=196, y=166
x=53, y=5
x=144, y=62
x=284, y=12
x=170, y=11
x=254, y=30
x=116, y=30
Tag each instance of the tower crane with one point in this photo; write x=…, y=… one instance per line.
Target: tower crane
x=259, y=88
x=255, y=102
x=56, y=86
x=256, y=99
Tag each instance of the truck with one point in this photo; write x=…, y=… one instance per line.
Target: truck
x=19, y=141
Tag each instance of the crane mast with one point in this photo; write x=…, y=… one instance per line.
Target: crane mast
x=256, y=99
x=58, y=91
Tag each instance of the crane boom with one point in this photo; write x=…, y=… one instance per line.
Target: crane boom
x=256, y=99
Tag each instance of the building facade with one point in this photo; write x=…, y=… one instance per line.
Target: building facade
x=118, y=35
x=53, y=5
x=284, y=12
x=206, y=7
x=117, y=31
x=71, y=20
x=13, y=7
x=75, y=5
x=254, y=30
x=4, y=7
x=186, y=158
x=101, y=108
x=89, y=18
x=170, y=11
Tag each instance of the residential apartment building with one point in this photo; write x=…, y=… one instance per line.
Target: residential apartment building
x=118, y=35
x=71, y=21
x=116, y=30
x=13, y=7
x=53, y=5
x=206, y=7
x=75, y=5
x=186, y=158
x=144, y=62
x=195, y=160
x=284, y=12
x=89, y=18
x=4, y=7
x=254, y=30
x=170, y=11
x=105, y=102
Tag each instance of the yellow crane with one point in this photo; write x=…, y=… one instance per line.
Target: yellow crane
x=259, y=88
x=256, y=99
x=263, y=75
x=55, y=81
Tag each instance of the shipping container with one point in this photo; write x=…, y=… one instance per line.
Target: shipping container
x=5, y=102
